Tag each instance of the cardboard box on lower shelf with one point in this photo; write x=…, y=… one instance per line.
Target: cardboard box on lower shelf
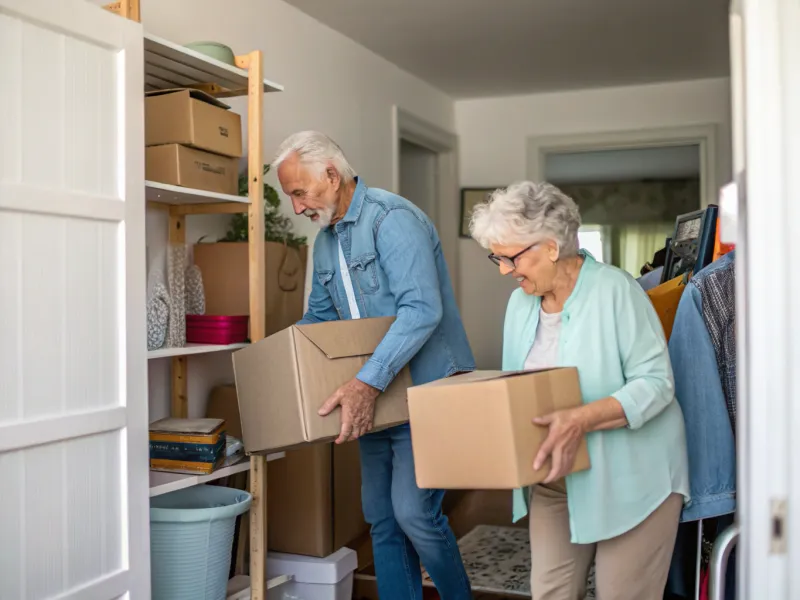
x=191, y=168
x=282, y=381
x=475, y=431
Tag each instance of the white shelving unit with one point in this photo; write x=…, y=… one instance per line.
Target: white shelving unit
x=168, y=65
x=162, y=482
x=189, y=349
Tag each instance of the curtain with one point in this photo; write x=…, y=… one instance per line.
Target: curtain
x=638, y=243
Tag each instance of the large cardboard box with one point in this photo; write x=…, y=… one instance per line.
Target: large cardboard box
x=314, y=492
x=187, y=167
x=474, y=431
x=315, y=500
x=283, y=380
x=192, y=118
x=225, y=268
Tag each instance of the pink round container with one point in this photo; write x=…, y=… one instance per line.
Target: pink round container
x=216, y=329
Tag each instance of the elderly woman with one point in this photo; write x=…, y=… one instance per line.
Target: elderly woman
x=571, y=310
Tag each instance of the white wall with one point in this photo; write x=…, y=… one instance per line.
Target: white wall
x=332, y=84
x=493, y=134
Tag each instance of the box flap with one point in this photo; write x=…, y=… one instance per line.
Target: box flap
x=475, y=376
x=342, y=339
x=196, y=94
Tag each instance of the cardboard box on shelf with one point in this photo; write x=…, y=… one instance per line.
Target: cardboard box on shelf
x=284, y=379
x=314, y=503
x=225, y=267
x=191, y=168
x=192, y=118
x=474, y=431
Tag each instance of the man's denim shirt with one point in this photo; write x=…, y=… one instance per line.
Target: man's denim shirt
x=698, y=388
x=397, y=268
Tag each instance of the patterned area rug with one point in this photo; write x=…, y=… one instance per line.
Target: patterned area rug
x=498, y=561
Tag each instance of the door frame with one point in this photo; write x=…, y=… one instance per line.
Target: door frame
x=411, y=128
x=704, y=135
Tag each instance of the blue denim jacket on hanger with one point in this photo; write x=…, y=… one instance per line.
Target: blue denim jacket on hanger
x=709, y=436
x=402, y=273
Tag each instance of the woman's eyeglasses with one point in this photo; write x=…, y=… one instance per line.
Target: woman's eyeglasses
x=510, y=261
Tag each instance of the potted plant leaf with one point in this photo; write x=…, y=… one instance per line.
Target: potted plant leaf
x=225, y=265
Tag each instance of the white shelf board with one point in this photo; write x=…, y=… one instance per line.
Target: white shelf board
x=192, y=349
x=162, y=482
x=239, y=586
x=174, y=194
x=168, y=65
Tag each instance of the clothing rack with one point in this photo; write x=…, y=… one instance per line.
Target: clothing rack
x=694, y=245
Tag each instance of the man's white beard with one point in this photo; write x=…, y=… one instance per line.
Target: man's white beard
x=325, y=216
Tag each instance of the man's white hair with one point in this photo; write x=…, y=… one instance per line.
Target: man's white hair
x=317, y=151
x=526, y=213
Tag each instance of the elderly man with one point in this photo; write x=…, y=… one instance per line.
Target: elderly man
x=379, y=255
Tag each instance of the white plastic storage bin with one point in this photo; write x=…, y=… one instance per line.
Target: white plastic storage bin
x=328, y=578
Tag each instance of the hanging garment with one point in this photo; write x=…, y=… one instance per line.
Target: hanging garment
x=651, y=279
x=698, y=388
x=665, y=299
x=717, y=285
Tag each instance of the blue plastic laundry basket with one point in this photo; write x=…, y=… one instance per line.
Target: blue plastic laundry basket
x=191, y=538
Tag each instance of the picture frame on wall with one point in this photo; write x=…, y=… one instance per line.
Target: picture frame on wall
x=469, y=198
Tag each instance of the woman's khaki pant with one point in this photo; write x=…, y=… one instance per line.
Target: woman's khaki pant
x=632, y=566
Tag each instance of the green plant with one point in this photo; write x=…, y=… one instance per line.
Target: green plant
x=277, y=226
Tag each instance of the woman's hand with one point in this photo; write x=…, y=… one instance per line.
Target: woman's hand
x=566, y=430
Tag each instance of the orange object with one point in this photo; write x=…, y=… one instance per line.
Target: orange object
x=720, y=248
x=665, y=299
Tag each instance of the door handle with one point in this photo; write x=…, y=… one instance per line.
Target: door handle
x=718, y=564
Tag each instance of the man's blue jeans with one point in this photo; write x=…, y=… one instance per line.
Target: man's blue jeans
x=407, y=522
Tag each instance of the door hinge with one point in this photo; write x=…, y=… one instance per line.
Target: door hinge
x=778, y=525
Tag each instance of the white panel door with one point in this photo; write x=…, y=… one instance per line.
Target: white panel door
x=73, y=372
x=766, y=57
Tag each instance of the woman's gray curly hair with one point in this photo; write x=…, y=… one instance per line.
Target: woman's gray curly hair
x=525, y=213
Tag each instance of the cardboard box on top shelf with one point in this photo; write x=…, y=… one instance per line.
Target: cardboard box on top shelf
x=192, y=118
x=474, y=431
x=187, y=167
x=314, y=503
x=282, y=381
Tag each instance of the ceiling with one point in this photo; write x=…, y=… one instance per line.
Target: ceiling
x=471, y=48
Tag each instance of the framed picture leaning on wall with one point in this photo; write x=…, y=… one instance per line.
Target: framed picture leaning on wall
x=469, y=198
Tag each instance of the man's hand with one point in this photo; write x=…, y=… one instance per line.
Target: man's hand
x=357, y=400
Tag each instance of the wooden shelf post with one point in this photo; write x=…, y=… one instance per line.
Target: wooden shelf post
x=180, y=380
x=255, y=169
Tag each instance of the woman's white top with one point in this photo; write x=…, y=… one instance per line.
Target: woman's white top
x=544, y=352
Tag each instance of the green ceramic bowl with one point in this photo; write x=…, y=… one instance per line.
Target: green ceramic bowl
x=221, y=52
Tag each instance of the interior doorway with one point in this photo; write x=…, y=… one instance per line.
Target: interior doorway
x=426, y=173
x=419, y=177
x=630, y=186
